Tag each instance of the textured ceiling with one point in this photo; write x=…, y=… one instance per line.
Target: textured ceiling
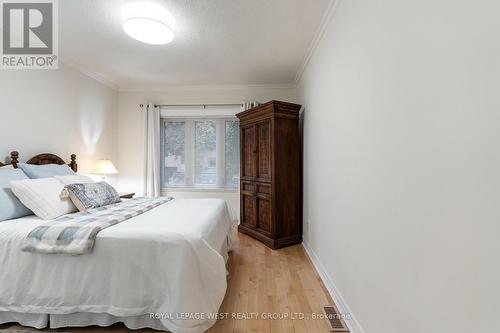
x=218, y=42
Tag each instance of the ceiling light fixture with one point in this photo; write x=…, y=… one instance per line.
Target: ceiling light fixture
x=148, y=22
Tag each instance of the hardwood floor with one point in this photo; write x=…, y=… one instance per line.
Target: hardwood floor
x=262, y=282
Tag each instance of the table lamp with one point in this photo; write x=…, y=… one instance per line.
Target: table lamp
x=104, y=168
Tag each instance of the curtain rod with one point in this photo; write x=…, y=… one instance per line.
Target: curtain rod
x=191, y=105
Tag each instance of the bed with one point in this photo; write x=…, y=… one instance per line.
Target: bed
x=164, y=269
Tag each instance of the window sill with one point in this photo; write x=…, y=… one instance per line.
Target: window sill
x=199, y=189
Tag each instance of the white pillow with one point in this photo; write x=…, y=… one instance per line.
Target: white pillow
x=42, y=196
x=9, y=166
x=76, y=179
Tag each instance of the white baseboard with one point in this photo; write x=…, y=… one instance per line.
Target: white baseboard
x=341, y=304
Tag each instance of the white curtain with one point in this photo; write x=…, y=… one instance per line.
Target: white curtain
x=248, y=105
x=153, y=173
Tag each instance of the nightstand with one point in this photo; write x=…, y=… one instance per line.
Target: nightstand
x=126, y=195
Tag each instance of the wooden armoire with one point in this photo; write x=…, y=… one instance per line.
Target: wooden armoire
x=271, y=193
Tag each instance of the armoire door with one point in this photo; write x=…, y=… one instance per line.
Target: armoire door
x=263, y=131
x=247, y=147
x=249, y=211
x=264, y=212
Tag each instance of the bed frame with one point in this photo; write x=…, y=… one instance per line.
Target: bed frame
x=40, y=159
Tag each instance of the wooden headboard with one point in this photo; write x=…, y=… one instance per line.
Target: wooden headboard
x=13, y=159
x=45, y=158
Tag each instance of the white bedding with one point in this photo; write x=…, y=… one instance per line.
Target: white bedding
x=167, y=261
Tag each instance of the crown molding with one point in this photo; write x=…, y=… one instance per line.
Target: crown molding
x=93, y=75
x=160, y=88
x=325, y=22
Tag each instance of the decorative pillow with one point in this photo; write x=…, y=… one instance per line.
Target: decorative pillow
x=42, y=196
x=10, y=206
x=93, y=195
x=76, y=179
x=46, y=170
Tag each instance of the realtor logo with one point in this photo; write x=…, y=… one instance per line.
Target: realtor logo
x=29, y=34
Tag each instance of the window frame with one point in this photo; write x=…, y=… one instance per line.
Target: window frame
x=189, y=151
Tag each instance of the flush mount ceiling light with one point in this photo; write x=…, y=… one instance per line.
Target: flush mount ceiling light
x=148, y=22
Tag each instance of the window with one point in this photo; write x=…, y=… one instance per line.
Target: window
x=174, y=154
x=200, y=153
x=232, y=154
x=205, y=153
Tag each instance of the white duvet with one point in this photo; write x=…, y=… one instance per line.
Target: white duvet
x=167, y=262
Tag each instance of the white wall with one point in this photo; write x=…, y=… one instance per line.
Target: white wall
x=402, y=162
x=58, y=111
x=131, y=129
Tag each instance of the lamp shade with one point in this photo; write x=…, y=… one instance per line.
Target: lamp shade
x=104, y=167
